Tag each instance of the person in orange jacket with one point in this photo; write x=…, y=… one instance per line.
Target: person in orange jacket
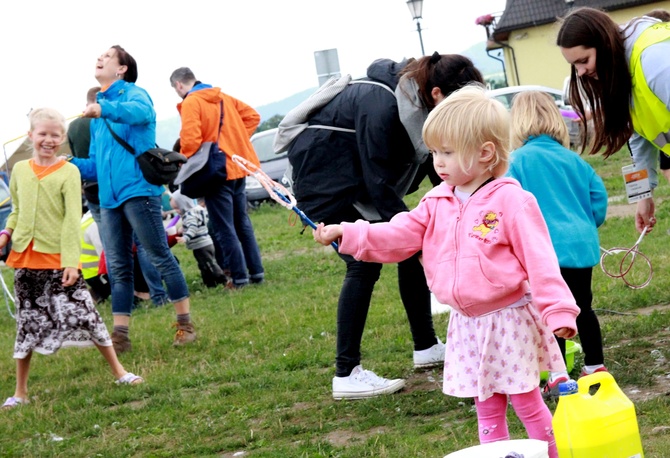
x=204, y=108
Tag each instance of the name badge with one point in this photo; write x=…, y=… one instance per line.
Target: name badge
x=637, y=183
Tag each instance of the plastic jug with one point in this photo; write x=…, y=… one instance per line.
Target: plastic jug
x=599, y=425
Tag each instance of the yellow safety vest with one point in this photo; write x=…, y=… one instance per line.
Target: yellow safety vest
x=89, y=256
x=651, y=118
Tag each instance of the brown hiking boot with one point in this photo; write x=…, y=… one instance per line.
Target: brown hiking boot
x=120, y=343
x=185, y=334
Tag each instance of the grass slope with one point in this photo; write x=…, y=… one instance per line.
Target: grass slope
x=257, y=382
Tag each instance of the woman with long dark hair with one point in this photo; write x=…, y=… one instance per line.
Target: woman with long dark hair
x=357, y=161
x=622, y=74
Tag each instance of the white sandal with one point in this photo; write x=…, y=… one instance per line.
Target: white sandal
x=12, y=402
x=130, y=379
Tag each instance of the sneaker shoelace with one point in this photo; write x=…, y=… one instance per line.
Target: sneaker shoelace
x=371, y=378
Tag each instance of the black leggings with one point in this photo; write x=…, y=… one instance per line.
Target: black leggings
x=579, y=282
x=354, y=303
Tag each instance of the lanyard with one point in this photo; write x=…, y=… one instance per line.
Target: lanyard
x=482, y=185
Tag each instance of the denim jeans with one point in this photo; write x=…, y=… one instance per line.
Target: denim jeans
x=95, y=211
x=227, y=208
x=151, y=276
x=218, y=250
x=141, y=215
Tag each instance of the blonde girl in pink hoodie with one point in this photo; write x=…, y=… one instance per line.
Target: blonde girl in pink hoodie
x=485, y=248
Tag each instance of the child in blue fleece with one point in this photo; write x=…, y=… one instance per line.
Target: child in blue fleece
x=573, y=201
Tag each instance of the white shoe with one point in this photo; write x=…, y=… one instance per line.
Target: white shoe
x=363, y=384
x=430, y=357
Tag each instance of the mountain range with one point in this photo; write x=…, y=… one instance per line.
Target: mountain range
x=167, y=130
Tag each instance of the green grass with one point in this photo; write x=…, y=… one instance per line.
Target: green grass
x=258, y=379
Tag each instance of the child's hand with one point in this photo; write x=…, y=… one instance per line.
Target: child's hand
x=180, y=239
x=565, y=333
x=70, y=275
x=5, y=236
x=326, y=235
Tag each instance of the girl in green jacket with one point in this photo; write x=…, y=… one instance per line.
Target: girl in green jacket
x=53, y=306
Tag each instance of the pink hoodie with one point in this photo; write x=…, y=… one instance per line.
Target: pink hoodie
x=479, y=256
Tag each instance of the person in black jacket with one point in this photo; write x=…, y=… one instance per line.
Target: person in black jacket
x=79, y=139
x=358, y=164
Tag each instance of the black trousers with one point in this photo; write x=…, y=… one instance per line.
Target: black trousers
x=354, y=303
x=211, y=272
x=588, y=327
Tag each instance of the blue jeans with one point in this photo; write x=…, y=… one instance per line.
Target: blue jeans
x=95, y=211
x=151, y=276
x=141, y=215
x=227, y=208
x=218, y=250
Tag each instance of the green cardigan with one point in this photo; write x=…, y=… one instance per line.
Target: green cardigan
x=46, y=211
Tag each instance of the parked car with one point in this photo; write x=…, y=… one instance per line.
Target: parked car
x=506, y=95
x=274, y=165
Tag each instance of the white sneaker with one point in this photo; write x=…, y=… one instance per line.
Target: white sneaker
x=363, y=384
x=430, y=357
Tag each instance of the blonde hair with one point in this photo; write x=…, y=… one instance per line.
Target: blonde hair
x=466, y=120
x=535, y=113
x=46, y=114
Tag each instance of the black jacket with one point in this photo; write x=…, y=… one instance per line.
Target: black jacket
x=79, y=139
x=333, y=169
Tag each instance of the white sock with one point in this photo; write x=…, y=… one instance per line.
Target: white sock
x=591, y=369
x=555, y=375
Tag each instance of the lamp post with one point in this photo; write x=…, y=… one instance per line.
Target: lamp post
x=416, y=7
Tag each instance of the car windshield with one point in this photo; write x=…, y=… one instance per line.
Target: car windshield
x=264, y=149
x=507, y=99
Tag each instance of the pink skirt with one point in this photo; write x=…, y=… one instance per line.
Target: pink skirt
x=500, y=352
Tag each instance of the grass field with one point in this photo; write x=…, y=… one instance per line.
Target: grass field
x=257, y=382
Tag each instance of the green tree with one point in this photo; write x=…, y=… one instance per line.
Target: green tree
x=270, y=123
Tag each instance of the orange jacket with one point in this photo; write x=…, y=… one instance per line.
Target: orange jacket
x=200, y=115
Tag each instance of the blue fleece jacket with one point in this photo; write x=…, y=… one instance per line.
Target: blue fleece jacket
x=572, y=197
x=130, y=112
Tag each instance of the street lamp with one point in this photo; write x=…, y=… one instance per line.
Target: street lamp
x=415, y=7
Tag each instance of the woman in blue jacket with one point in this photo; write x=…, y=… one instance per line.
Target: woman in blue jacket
x=128, y=202
x=573, y=200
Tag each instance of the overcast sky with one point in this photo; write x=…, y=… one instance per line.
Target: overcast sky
x=258, y=51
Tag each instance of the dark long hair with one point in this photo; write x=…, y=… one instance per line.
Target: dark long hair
x=445, y=71
x=609, y=96
x=129, y=61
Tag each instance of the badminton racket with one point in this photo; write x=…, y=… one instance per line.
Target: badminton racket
x=626, y=263
x=277, y=192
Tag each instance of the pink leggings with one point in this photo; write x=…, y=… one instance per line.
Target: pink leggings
x=529, y=407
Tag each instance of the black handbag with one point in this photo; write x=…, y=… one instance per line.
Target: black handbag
x=204, y=169
x=159, y=166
